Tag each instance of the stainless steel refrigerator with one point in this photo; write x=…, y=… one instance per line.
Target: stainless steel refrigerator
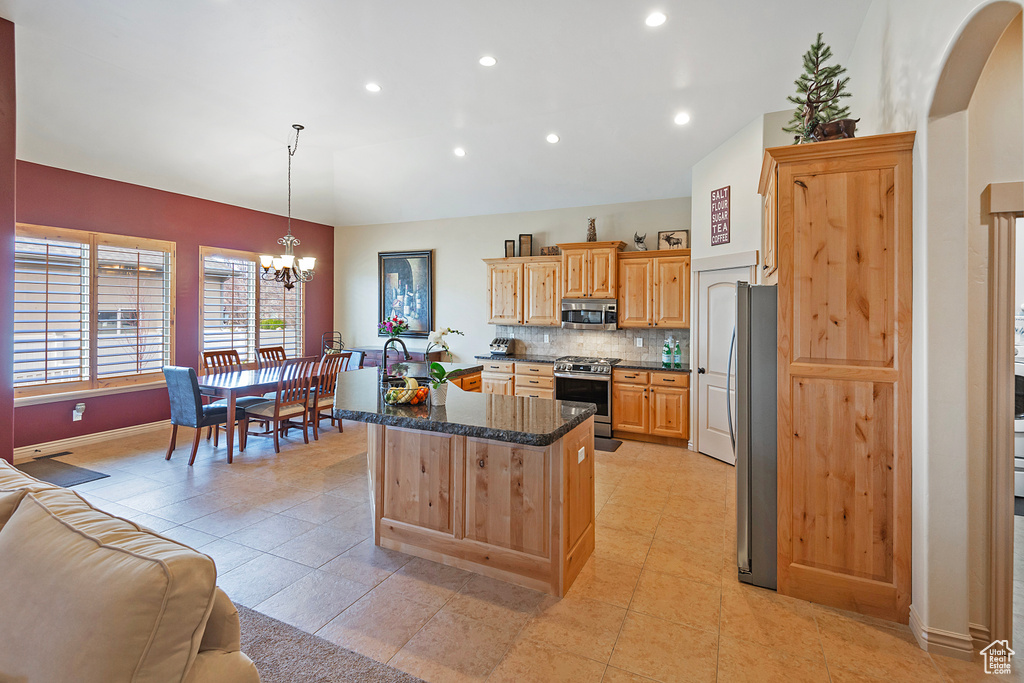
x=755, y=433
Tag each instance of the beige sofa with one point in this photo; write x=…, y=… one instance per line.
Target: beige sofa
x=89, y=597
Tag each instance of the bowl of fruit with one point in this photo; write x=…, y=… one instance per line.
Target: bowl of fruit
x=402, y=391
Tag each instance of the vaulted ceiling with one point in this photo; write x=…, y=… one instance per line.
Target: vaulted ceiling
x=198, y=96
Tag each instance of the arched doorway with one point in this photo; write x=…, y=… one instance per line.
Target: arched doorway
x=974, y=141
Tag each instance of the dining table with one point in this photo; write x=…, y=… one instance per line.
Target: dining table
x=230, y=385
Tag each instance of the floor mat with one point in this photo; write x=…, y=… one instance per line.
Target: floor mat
x=603, y=444
x=59, y=473
x=284, y=654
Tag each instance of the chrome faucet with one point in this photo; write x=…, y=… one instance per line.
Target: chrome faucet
x=384, y=355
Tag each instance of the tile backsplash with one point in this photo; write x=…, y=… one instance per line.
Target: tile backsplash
x=605, y=343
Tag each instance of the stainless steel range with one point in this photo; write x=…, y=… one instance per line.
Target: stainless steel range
x=587, y=380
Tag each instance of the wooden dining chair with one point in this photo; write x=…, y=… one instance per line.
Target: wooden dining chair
x=323, y=397
x=290, y=406
x=187, y=410
x=271, y=355
x=227, y=360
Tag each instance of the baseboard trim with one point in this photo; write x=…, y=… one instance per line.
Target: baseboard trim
x=981, y=635
x=24, y=453
x=938, y=641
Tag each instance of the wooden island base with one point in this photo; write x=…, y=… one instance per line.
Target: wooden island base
x=522, y=514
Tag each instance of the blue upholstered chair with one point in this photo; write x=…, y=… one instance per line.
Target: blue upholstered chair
x=187, y=409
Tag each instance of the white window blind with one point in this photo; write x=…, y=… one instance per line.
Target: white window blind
x=91, y=309
x=242, y=311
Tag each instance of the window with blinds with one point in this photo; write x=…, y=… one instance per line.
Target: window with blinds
x=241, y=311
x=91, y=310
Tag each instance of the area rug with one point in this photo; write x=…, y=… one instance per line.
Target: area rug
x=59, y=473
x=608, y=445
x=284, y=654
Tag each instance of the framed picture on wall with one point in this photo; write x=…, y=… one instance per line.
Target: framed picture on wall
x=406, y=289
x=510, y=248
x=525, y=245
x=674, y=239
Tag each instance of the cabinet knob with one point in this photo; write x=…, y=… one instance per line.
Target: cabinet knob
x=480, y=462
x=701, y=371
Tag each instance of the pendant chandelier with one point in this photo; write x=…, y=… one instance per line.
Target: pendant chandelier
x=285, y=268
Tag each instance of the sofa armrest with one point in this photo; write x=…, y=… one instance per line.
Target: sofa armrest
x=222, y=632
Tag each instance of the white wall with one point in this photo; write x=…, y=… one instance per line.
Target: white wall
x=460, y=244
x=894, y=70
x=735, y=163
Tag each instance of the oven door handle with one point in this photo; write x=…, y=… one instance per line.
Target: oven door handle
x=583, y=375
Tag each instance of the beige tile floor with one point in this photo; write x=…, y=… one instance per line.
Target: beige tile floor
x=659, y=599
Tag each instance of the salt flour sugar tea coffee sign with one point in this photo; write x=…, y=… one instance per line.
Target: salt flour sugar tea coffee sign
x=720, y=216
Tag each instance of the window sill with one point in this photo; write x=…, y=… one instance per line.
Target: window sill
x=85, y=393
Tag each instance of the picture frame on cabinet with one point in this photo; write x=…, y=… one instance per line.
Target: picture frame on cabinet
x=674, y=239
x=525, y=245
x=406, y=289
x=510, y=248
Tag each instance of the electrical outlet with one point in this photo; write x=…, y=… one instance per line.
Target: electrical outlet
x=77, y=412
x=547, y=338
x=639, y=341
x=582, y=455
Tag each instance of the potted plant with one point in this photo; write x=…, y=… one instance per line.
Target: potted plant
x=393, y=326
x=439, y=384
x=437, y=338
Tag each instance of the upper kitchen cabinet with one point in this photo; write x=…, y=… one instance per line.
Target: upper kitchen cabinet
x=590, y=269
x=769, y=224
x=654, y=289
x=524, y=291
x=843, y=214
x=505, y=292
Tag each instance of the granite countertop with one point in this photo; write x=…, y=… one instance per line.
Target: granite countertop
x=626, y=364
x=513, y=419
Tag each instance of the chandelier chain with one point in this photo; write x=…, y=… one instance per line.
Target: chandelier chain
x=291, y=152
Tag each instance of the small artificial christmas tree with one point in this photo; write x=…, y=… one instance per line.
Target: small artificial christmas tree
x=818, y=93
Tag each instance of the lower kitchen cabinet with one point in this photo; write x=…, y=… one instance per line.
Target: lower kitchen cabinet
x=497, y=383
x=655, y=403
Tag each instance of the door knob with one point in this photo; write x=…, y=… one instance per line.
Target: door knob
x=701, y=371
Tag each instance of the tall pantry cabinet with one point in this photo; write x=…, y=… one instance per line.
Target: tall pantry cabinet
x=841, y=214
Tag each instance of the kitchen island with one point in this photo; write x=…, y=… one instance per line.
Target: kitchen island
x=498, y=485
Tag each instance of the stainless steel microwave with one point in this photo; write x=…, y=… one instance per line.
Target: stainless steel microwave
x=590, y=314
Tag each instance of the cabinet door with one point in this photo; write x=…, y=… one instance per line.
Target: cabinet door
x=574, y=274
x=770, y=232
x=672, y=292
x=417, y=490
x=507, y=496
x=670, y=412
x=603, y=273
x=504, y=289
x=496, y=384
x=541, y=301
x=630, y=411
x=635, y=288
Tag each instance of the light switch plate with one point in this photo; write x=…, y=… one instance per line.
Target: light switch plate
x=582, y=455
x=639, y=341
x=547, y=338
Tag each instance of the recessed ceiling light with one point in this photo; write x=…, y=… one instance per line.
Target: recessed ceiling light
x=552, y=138
x=459, y=152
x=488, y=60
x=682, y=118
x=655, y=19
x=373, y=87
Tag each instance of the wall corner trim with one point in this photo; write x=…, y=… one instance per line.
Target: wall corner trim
x=24, y=453
x=938, y=641
x=981, y=636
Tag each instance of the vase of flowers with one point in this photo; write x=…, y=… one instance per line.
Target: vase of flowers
x=437, y=339
x=393, y=326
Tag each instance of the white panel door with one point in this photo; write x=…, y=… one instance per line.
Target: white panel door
x=716, y=390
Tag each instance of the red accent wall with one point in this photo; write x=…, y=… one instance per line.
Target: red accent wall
x=55, y=197
x=8, y=115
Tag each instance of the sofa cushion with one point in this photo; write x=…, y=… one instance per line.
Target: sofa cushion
x=13, y=478
x=8, y=502
x=96, y=598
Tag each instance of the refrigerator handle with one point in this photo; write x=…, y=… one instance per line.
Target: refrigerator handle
x=728, y=390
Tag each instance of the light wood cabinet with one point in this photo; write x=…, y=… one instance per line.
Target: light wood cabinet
x=769, y=225
x=590, y=269
x=469, y=382
x=656, y=403
x=541, y=297
x=524, y=291
x=654, y=289
x=844, y=255
x=418, y=492
x=505, y=291
x=497, y=383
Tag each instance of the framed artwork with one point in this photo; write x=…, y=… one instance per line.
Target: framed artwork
x=510, y=248
x=525, y=245
x=674, y=239
x=406, y=289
